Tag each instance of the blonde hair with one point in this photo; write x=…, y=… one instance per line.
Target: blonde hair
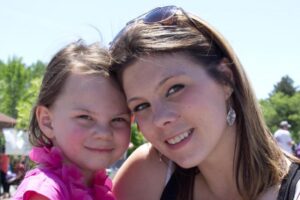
x=259, y=162
x=75, y=57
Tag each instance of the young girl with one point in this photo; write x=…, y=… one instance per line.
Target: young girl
x=80, y=125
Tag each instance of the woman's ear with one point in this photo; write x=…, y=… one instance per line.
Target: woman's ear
x=224, y=68
x=44, y=118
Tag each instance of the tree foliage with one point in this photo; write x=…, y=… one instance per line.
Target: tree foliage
x=283, y=104
x=26, y=102
x=13, y=76
x=285, y=86
x=18, y=85
x=137, y=138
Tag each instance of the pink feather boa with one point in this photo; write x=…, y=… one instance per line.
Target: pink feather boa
x=70, y=174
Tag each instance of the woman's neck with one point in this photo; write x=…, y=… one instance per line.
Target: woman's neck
x=217, y=174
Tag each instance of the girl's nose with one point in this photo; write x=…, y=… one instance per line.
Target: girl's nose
x=103, y=131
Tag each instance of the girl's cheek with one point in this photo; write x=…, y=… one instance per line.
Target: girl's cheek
x=79, y=130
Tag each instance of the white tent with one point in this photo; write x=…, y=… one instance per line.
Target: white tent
x=16, y=142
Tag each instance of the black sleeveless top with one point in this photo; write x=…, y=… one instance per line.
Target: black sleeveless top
x=171, y=189
x=289, y=183
x=286, y=191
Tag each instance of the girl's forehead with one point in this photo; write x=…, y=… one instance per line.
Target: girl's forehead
x=84, y=81
x=91, y=92
x=87, y=86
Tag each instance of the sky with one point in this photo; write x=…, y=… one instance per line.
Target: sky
x=265, y=34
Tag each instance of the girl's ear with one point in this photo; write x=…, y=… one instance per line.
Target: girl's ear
x=224, y=68
x=44, y=118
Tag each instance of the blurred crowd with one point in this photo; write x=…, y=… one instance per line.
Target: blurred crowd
x=12, y=172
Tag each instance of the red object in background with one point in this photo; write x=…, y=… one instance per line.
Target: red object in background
x=4, y=162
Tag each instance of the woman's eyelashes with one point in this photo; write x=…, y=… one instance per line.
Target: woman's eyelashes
x=140, y=107
x=175, y=88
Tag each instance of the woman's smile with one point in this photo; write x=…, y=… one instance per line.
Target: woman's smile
x=180, y=140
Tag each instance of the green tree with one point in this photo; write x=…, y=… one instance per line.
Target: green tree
x=137, y=138
x=19, y=86
x=36, y=70
x=280, y=107
x=26, y=102
x=286, y=86
x=13, y=78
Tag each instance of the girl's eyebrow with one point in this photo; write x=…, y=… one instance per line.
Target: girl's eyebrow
x=83, y=110
x=80, y=108
x=94, y=113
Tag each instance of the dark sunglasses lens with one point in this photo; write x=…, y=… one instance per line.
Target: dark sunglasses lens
x=160, y=14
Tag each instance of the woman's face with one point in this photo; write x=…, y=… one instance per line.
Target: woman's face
x=179, y=108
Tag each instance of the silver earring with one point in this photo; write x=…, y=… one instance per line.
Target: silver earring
x=231, y=115
x=160, y=156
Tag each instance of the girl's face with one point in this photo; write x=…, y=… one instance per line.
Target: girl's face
x=178, y=107
x=90, y=122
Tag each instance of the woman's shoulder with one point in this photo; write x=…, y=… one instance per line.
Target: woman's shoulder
x=144, y=167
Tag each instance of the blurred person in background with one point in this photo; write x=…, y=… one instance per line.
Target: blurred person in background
x=283, y=137
x=4, y=164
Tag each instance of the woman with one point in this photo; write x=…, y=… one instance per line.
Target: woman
x=193, y=102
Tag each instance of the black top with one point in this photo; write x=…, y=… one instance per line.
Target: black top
x=171, y=189
x=286, y=191
x=288, y=185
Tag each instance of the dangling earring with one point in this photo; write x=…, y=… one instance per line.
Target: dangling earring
x=160, y=156
x=231, y=115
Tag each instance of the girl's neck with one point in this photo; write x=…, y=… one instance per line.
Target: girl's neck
x=87, y=176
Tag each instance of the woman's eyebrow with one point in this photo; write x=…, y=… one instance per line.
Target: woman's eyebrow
x=160, y=83
x=168, y=78
x=132, y=99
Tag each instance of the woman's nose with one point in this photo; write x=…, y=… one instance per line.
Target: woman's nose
x=164, y=114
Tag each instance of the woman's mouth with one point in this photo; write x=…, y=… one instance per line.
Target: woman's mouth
x=180, y=137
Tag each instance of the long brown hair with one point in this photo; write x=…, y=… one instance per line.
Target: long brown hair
x=259, y=163
x=77, y=56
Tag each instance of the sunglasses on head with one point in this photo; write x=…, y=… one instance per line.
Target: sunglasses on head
x=159, y=15
x=163, y=15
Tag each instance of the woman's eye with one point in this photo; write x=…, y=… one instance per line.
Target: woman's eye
x=174, y=89
x=140, y=107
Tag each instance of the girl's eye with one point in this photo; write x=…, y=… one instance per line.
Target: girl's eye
x=120, y=122
x=119, y=119
x=85, y=117
x=174, y=89
x=140, y=107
